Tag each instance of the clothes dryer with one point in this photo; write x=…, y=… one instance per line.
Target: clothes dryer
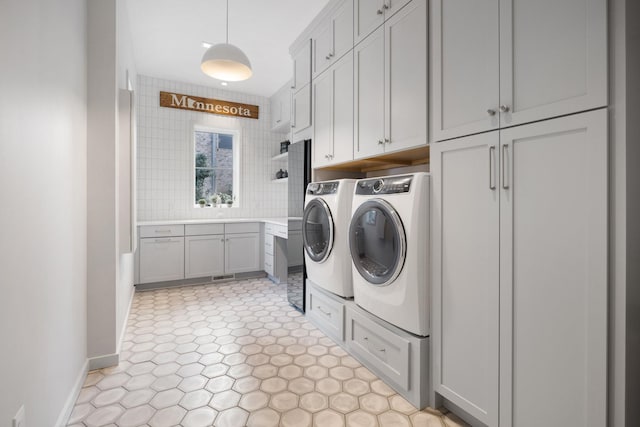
x=325, y=225
x=389, y=245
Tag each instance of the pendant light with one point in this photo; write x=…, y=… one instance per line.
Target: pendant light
x=225, y=61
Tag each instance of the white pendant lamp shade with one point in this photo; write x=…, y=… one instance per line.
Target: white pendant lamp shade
x=226, y=62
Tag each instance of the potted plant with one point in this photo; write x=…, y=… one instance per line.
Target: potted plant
x=202, y=203
x=215, y=200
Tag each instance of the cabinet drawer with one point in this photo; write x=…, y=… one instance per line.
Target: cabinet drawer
x=203, y=229
x=379, y=347
x=268, y=265
x=268, y=244
x=242, y=227
x=276, y=230
x=161, y=230
x=326, y=313
x=161, y=259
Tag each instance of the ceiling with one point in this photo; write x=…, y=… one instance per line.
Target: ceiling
x=168, y=34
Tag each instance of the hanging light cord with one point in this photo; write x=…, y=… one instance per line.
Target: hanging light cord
x=227, y=21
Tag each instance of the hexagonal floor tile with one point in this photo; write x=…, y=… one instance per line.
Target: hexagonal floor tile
x=195, y=399
x=225, y=400
x=254, y=400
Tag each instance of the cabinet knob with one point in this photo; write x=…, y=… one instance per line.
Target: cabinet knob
x=386, y=5
x=380, y=142
x=387, y=141
x=504, y=108
x=330, y=54
x=379, y=12
x=491, y=112
x=327, y=57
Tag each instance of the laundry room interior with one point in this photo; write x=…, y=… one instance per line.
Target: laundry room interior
x=320, y=213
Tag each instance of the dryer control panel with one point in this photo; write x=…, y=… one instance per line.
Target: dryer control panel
x=384, y=185
x=322, y=188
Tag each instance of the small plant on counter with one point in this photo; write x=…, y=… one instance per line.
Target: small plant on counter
x=202, y=203
x=215, y=200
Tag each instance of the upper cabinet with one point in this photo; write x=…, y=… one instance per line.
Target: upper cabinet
x=333, y=114
x=301, y=87
x=301, y=66
x=281, y=108
x=333, y=38
x=500, y=63
x=390, y=84
x=370, y=14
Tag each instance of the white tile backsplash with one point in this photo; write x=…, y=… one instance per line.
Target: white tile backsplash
x=165, y=155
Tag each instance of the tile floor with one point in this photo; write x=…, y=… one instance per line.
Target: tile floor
x=236, y=354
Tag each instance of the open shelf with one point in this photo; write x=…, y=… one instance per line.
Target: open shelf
x=280, y=180
x=413, y=157
x=280, y=156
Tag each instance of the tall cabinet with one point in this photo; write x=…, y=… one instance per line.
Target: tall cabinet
x=520, y=273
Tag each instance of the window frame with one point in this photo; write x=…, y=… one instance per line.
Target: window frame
x=237, y=145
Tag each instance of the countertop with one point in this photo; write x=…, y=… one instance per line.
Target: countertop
x=276, y=221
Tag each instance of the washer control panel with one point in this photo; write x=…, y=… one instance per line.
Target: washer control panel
x=384, y=185
x=322, y=188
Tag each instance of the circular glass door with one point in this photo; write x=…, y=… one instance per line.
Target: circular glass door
x=377, y=242
x=317, y=230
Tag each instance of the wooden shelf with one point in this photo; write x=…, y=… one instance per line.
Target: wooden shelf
x=413, y=157
x=280, y=156
x=280, y=180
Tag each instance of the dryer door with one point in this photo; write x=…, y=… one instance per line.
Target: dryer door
x=377, y=241
x=317, y=230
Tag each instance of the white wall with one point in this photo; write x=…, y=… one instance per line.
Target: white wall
x=165, y=159
x=43, y=209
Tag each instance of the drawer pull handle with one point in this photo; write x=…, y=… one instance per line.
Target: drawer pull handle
x=326, y=313
x=163, y=231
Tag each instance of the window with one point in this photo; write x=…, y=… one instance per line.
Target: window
x=216, y=166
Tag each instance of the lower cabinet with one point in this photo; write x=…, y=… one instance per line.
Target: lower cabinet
x=197, y=250
x=161, y=259
x=241, y=253
x=204, y=256
x=325, y=311
x=519, y=303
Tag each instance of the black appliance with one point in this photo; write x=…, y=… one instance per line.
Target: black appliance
x=299, y=169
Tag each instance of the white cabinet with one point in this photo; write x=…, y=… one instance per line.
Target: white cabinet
x=204, y=256
x=370, y=14
x=390, y=84
x=301, y=116
x=275, y=252
x=333, y=38
x=519, y=272
x=496, y=65
x=301, y=66
x=161, y=259
x=333, y=114
x=242, y=253
x=281, y=109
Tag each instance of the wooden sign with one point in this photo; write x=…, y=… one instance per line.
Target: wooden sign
x=208, y=105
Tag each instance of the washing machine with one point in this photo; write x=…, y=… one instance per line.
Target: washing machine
x=325, y=226
x=389, y=246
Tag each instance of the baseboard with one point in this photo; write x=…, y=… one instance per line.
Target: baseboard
x=73, y=396
x=105, y=361
x=126, y=321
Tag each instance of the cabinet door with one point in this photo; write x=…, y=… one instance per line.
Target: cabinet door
x=203, y=256
x=553, y=58
x=302, y=67
x=367, y=16
x=322, y=48
x=369, y=95
x=465, y=304
x=465, y=78
x=161, y=259
x=405, y=37
x=392, y=6
x=342, y=103
x=242, y=253
x=343, y=30
x=554, y=272
x=276, y=111
x=322, y=119
x=301, y=109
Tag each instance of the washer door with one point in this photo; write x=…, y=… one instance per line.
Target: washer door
x=377, y=241
x=317, y=230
